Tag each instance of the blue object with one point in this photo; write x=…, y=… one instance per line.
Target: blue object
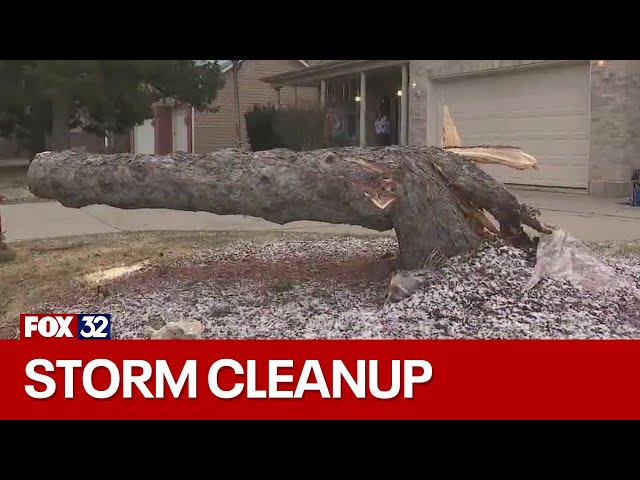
x=635, y=197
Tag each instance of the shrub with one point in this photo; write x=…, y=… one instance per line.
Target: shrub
x=259, y=122
x=295, y=128
x=300, y=129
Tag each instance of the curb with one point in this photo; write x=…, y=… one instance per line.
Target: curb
x=21, y=201
x=14, y=163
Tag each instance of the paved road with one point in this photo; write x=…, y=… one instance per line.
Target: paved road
x=585, y=217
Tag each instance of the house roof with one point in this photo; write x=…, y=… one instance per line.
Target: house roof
x=327, y=69
x=225, y=65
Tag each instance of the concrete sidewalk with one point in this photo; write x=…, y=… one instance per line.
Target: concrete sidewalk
x=588, y=218
x=30, y=221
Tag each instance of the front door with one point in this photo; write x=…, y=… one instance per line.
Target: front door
x=163, y=131
x=180, y=130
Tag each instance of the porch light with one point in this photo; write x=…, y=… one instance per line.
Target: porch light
x=399, y=93
x=414, y=84
x=357, y=99
x=602, y=63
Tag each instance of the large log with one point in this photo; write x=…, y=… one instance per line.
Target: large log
x=432, y=198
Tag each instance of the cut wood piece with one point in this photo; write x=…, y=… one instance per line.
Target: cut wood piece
x=451, y=138
x=418, y=191
x=478, y=218
x=380, y=202
x=512, y=157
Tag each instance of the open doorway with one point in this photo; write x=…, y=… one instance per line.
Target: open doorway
x=382, y=88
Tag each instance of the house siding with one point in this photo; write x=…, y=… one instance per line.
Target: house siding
x=214, y=131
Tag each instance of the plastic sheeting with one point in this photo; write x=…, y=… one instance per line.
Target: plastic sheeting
x=562, y=256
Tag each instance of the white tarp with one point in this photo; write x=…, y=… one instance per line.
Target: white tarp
x=560, y=256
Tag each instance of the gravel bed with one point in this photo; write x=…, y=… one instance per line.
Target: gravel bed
x=334, y=289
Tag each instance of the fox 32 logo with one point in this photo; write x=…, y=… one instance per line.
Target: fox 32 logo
x=94, y=327
x=81, y=326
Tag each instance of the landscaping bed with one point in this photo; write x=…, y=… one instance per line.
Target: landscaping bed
x=285, y=285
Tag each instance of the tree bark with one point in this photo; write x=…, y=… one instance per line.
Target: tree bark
x=60, y=135
x=432, y=198
x=236, y=101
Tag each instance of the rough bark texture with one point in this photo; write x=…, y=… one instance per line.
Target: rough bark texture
x=60, y=134
x=236, y=101
x=432, y=197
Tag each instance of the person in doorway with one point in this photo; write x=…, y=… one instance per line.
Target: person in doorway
x=383, y=129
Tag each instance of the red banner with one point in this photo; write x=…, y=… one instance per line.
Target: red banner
x=351, y=379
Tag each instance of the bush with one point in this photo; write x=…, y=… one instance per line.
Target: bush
x=297, y=129
x=259, y=123
x=300, y=129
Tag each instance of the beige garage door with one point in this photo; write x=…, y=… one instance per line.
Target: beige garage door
x=544, y=110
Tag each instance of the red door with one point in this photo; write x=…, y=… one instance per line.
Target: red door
x=163, y=131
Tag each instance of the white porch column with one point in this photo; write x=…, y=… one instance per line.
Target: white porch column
x=363, y=109
x=193, y=130
x=323, y=93
x=404, y=106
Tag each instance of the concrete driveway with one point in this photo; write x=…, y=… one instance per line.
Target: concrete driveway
x=585, y=217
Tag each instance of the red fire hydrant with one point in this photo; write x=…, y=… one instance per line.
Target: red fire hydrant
x=3, y=246
x=6, y=254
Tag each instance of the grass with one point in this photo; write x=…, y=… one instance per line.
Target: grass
x=13, y=184
x=621, y=249
x=13, y=177
x=47, y=269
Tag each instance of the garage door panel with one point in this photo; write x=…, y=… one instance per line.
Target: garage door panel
x=553, y=176
x=545, y=111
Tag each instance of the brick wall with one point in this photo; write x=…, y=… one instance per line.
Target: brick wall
x=615, y=126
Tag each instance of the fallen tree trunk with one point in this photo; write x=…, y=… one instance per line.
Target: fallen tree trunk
x=432, y=198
